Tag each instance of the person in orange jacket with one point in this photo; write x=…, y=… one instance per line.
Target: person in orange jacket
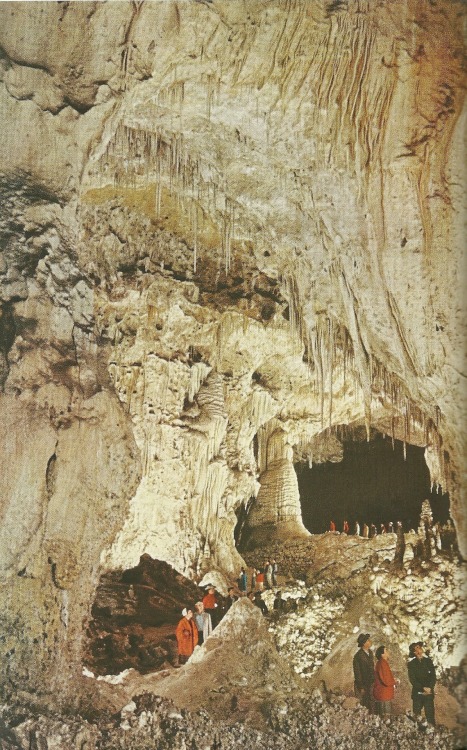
x=384, y=684
x=186, y=634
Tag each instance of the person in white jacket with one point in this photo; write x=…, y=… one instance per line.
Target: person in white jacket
x=203, y=622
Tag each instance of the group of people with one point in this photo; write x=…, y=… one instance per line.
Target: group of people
x=196, y=625
x=374, y=683
x=261, y=578
x=367, y=531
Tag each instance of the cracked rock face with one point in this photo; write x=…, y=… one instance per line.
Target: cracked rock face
x=227, y=228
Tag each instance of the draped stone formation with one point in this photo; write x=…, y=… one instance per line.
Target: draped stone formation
x=228, y=229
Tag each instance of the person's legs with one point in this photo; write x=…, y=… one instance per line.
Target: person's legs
x=429, y=704
x=417, y=704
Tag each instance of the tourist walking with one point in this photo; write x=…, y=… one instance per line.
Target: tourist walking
x=332, y=526
x=384, y=684
x=364, y=671
x=366, y=531
x=357, y=529
x=422, y=677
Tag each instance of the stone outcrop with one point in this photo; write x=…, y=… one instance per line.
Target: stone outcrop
x=219, y=221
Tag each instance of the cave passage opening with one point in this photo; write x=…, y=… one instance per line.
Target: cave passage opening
x=373, y=483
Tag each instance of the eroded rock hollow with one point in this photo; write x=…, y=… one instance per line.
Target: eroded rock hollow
x=230, y=231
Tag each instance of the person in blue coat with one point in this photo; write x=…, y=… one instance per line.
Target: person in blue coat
x=243, y=582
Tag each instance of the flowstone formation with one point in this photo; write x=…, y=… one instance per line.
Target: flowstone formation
x=230, y=231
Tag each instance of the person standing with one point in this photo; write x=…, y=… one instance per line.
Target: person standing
x=258, y=602
x=231, y=598
x=203, y=623
x=366, y=531
x=211, y=606
x=275, y=569
x=364, y=671
x=384, y=684
x=186, y=634
x=243, y=582
x=345, y=527
x=268, y=574
x=260, y=580
x=422, y=676
x=332, y=526
x=357, y=528
x=253, y=579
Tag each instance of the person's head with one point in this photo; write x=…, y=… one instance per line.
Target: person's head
x=211, y=590
x=188, y=613
x=416, y=649
x=382, y=653
x=363, y=641
x=199, y=606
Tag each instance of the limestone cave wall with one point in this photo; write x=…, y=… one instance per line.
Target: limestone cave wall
x=227, y=228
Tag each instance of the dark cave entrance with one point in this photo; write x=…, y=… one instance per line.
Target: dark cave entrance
x=372, y=484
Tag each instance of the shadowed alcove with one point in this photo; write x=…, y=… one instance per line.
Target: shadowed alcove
x=373, y=483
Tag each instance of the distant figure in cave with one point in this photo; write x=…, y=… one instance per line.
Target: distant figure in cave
x=382, y=528
x=332, y=526
x=260, y=580
x=203, y=622
x=231, y=598
x=211, y=605
x=345, y=527
x=390, y=527
x=400, y=546
x=253, y=579
x=366, y=531
x=186, y=634
x=275, y=569
x=243, y=582
x=422, y=677
x=258, y=602
x=364, y=671
x=278, y=601
x=357, y=529
x=373, y=530
x=384, y=684
x=268, y=574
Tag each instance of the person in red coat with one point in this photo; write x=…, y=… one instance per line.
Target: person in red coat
x=384, y=684
x=211, y=606
x=186, y=634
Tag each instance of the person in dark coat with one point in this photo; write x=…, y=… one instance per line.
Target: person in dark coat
x=422, y=677
x=278, y=601
x=364, y=671
x=231, y=598
x=259, y=603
